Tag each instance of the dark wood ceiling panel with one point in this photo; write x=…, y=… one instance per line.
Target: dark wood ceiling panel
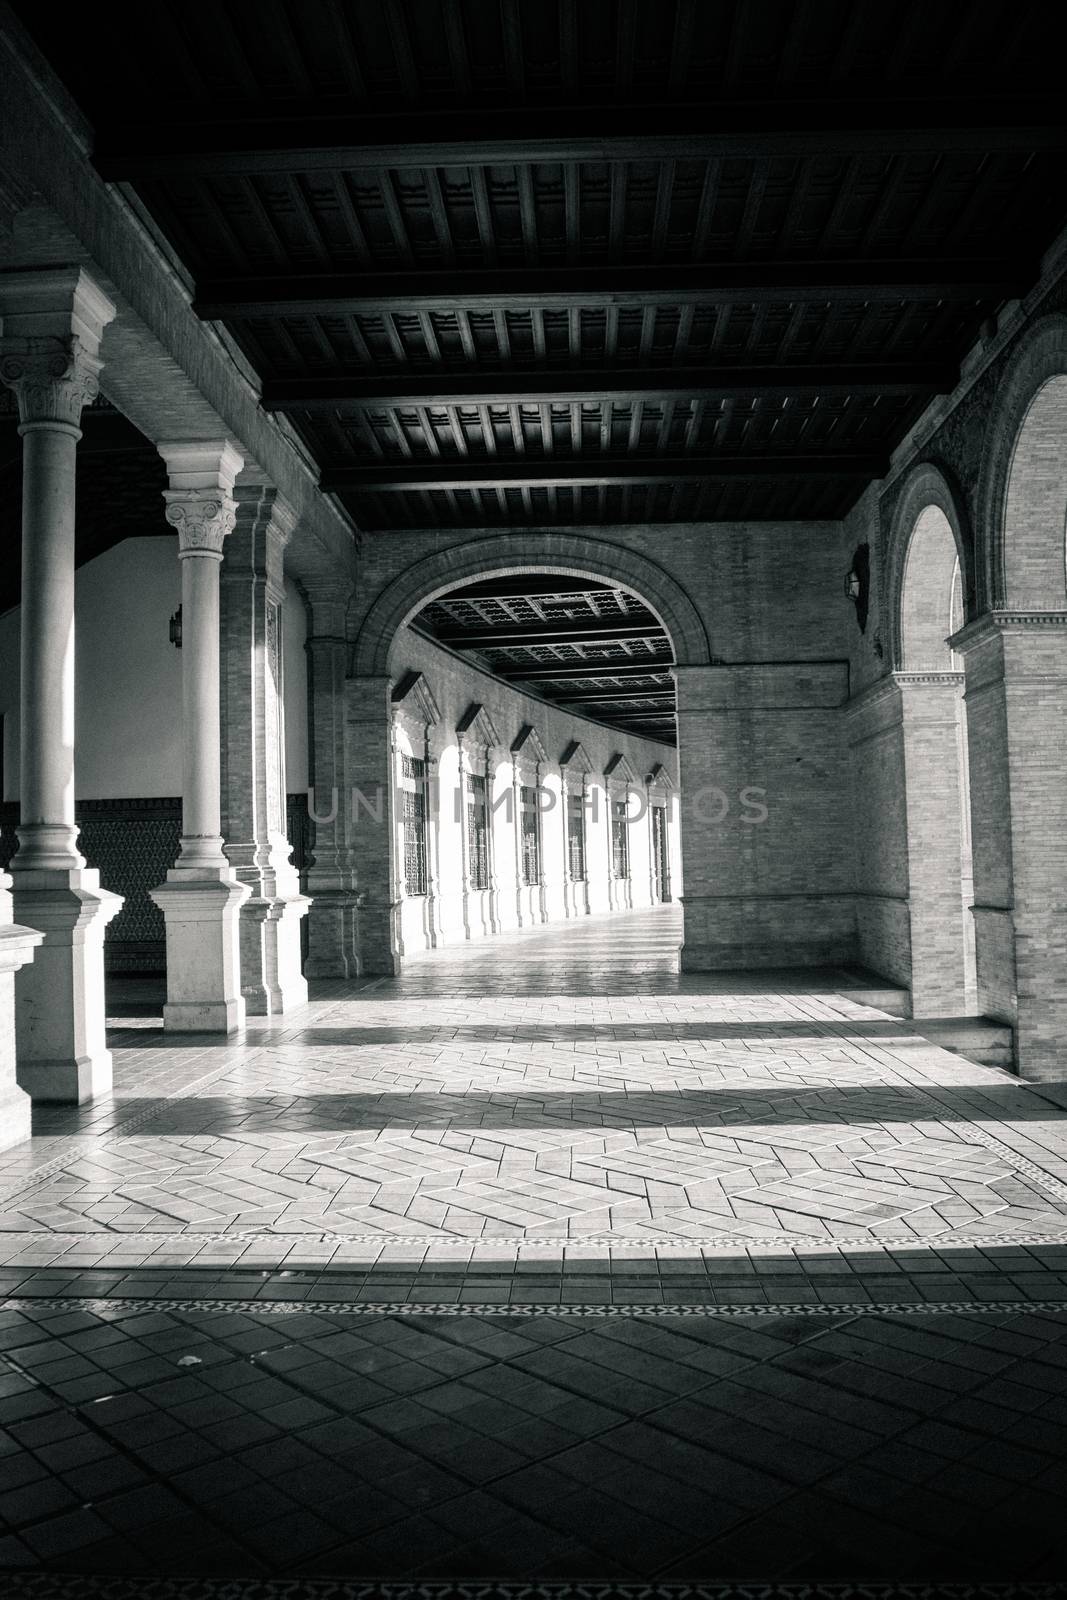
x=510, y=261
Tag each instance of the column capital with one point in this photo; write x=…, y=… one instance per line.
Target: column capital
x=52, y=377
x=51, y=324
x=200, y=501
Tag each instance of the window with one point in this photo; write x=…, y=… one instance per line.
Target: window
x=531, y=836
x=620, y=845
x=575, y=837
x=478, y=834
x=413, y=803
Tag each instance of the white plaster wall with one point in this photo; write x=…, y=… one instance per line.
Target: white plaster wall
x=128, y=678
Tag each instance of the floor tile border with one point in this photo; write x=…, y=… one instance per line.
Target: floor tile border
x=139, y=1306
x=73, y=1586
x=147, y=1241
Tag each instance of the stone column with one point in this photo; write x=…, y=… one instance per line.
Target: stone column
x=333, y=921
x=253, y=752
x=1016, y=696
x=49, y=355
x=202, y=898
x=17, y=945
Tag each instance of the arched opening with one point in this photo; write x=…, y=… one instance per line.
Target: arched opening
x=936, y=773
x=1034, y=530
x=1017, y=661
x=531, y=761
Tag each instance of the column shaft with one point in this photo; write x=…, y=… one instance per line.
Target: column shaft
x=201, y=769
x=47, y=646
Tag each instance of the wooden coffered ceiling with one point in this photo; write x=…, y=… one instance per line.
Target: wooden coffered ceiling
x=507, y=262
x=579, y=643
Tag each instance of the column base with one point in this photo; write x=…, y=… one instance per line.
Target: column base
x=379, y=937
x=333, y=934
x=201, y=916
x=17, y=945
x=271, y=979
x=60, y=1032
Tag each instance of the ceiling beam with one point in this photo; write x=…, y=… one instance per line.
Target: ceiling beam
x=608, y=696
x=501, y=386
x=564, y=671
x=935, y=278
x=309, y=140
x=582, y=632
x=464, y=472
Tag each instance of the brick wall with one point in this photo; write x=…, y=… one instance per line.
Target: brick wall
x=768, y=598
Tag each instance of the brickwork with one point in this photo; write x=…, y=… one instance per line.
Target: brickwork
x=1005, y=436
x=763, y=600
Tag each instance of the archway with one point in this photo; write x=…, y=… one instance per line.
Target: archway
x=382, y=663
x=933, y=731
x=1022, y=517
x=1016, y=656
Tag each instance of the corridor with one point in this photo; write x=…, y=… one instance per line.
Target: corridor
x=540, y=1262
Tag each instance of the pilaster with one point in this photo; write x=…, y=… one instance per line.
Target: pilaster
x=372, y=822
x=333, y=920
x=761, y=765
x=1016, y=698
x=253, y=751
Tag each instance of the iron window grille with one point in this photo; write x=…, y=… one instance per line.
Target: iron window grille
x=413, y=816
x=478, y=834
x=531, y=836
x=620, y=844
x=575, y=838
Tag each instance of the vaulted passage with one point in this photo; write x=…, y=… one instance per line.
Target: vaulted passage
x=533, y=801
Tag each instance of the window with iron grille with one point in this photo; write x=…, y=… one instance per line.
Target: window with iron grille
x=413, y=819
x=414, y=842
x=620, y=845
x=575, y=837
x=531, y=836
x=478, y=834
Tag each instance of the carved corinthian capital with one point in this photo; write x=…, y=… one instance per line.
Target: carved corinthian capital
x=53, y=377
x=203, y=518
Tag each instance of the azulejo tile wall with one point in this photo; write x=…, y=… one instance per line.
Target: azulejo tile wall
x=133, y=841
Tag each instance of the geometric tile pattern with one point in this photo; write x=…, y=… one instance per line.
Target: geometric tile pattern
x=552, y=1090
x=486, y=1449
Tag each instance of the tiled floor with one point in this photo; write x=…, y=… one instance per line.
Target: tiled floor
x=541, y=1262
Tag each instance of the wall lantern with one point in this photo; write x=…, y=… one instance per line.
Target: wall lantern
x=174, y=632
x=858, y=583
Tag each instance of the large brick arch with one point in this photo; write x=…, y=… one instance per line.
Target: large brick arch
x=1022, y=501
x=929, y=534
x=505, y=554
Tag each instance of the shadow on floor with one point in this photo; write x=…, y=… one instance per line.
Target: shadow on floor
x=188, y=1439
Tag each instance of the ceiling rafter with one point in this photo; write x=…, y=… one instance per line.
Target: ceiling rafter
x=559, y=471
x=707, y=283
x=748, y=129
